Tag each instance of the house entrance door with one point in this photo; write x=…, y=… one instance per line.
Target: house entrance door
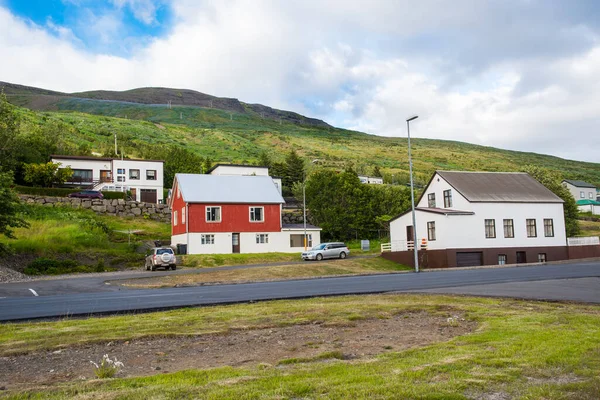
x=235, y=242
x=410, y=235
x=105, y=175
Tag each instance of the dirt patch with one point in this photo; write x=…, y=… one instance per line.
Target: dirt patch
x=359, y=339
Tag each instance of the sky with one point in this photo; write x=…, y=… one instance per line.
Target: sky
x=514, y=74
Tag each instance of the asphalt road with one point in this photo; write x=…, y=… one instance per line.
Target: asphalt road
x=81, y=304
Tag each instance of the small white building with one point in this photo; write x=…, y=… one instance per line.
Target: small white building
x=143, y=178
x=373, y=180
x=585, y=194
x=243, y=170
x=484, y=218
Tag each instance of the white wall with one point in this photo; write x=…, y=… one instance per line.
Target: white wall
x=279, y=242
x=94, y=165
x=141, y=183
x=246, y=170
x=590, y=208
x=438, y=186
x=468, y=231
x=588, y=193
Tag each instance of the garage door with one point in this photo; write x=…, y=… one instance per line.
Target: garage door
x=472, y=259
x=148, y=195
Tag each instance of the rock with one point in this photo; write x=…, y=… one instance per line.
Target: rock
x=99, y=209
x=86, y=204
x=136, y=211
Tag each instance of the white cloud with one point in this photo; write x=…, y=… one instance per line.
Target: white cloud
x=474, y=72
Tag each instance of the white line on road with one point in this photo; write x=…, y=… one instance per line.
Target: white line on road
x=34, y=292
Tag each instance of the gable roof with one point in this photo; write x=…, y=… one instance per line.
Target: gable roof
x=232, y=189
x=442, y=211
x=235, y=166
x=499, y=187
x=580, y=184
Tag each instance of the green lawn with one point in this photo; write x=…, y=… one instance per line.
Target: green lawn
x=526, y=350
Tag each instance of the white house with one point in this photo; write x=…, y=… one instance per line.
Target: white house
x=373, y=180
x=223, y=214
x=585, y=194
x=144, y=178
x=243, y=170
x=484, y=218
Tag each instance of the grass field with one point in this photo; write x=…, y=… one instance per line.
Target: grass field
x=352, y=266
x=527, y=350
x=589, y=228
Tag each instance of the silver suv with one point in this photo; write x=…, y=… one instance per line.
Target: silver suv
x=162, y=257
x=326, y=250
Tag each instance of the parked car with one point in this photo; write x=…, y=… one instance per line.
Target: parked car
x=87, y=194
x=326, y=250
x=161, y=257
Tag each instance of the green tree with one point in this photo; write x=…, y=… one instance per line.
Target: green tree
x=294, y=169
x=10, y=209
x=46, y=174
x=377, y=172
x=9, y=130
x=264, y=160
x=553, y=181
x=207, y=165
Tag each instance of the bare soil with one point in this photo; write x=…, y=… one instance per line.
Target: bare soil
x=357, y=340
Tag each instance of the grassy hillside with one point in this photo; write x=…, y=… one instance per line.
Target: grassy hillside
x=226, y=136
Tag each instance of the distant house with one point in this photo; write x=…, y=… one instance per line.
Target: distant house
x=243, y=170
x=143, y=178
x=223, y=214
x=482, y=218
x=585, y=194
x=373, y=180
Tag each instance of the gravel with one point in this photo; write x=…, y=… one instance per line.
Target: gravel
x=10, y=275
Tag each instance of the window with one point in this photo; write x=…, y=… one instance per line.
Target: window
x=213, y=214
x=207, y=239
x=501, y=259
x=591, y=195
x=175, y=218
x=509, y=228
x=121, y=171
x=178, y=192
x=490, y=228
x=262, y=238
x=183, y=215
x=582, y=195
x=257, y=214
x=82, y=175
x=447, y=198
x=542, y=257
x=120, y=178
x=431, y=230
x=151, y=175
x=298, y=240
x=548, y=227
x=531, y=229
x=134, y=174
x=431, y=200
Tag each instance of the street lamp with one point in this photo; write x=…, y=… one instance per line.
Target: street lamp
x=412, y=196
x=304, y=202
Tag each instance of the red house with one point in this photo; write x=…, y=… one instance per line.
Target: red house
x=221, y=214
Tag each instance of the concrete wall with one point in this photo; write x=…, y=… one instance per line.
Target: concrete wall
x=119, y=208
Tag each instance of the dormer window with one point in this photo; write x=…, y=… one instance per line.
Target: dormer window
x=431, y=200
x=447, y=198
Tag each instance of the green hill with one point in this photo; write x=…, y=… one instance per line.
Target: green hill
x=241, y=133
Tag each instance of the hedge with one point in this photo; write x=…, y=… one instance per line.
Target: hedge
x=61, y=192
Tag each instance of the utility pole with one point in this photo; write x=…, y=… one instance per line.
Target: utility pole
x=412, y=196
x=116, y=152
x=180, y=115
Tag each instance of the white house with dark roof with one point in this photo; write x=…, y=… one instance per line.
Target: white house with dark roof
x=143, y=178
x=585, y=194
x=223, y=214
x=484, y=218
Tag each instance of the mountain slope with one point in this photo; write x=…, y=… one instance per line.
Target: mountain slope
x=48, y=100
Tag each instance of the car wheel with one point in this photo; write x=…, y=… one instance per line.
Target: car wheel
x=173, y=267
x=342, y=255
x=319, y=257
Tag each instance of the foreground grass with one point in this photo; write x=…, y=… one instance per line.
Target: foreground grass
x=522, y=349
x=220, y=260
x=351, y=266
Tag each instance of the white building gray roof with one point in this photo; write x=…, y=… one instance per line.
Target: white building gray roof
x=232, y=189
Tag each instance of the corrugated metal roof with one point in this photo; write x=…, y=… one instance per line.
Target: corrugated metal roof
x=580, y=184
x=233, y=189
x=444, y=211
x=510, y=187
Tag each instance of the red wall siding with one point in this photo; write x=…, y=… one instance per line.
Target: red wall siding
x=177, y=205
x=234, y=218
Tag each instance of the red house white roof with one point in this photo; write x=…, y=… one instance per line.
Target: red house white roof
x=232, y=189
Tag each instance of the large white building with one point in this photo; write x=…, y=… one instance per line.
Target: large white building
x=484, y=218
x=143, y=178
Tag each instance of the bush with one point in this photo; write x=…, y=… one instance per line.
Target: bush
x=39, y=191
x=49, y=266
x=113, y=195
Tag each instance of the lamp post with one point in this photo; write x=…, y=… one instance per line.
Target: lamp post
x=304, y=202
x=412, y=196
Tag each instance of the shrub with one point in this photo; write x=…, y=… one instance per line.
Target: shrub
x=100, y=265
x=49, y=266
x=39, y=191
x=113, y=195
x=107, y=368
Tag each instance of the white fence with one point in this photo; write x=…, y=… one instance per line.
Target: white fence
x=397, y=245
x=583, y=241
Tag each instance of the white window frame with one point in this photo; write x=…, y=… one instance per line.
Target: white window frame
x=591, y=195
x=131, y=176
x=120, y=178
x=431, y=200
x=252, y=216
x=207, y=239
x=262, y=238
x=148, y=176
x=206, y=214
x=175, y=218
x=183, y=215
x=431, y=236
x=582, y=195
x=120, y=171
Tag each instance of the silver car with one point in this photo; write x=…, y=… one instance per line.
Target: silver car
x=326, y=250
x=161, y=257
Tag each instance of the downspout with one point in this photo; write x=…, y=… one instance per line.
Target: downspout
x=187, y=227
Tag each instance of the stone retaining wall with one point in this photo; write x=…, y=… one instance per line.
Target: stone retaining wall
x=119, y=208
